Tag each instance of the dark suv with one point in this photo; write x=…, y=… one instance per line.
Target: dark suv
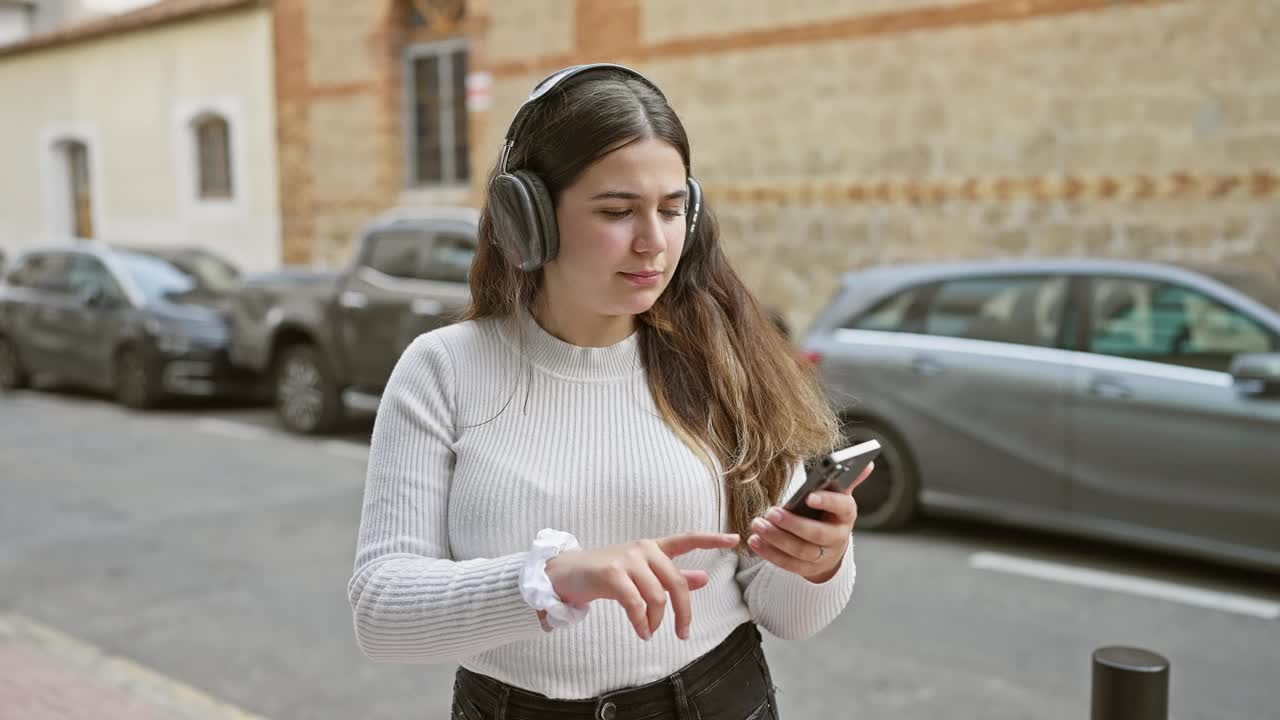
x=329, y=340
x=137, y=323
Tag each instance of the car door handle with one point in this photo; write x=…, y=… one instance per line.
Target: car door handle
x=926, y=366
x=353, y=299
x=1110, y=389
x=425, y=306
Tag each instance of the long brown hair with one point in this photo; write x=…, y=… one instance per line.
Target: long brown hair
x=721, y=372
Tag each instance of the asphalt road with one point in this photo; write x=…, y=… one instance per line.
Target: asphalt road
x=204, y=544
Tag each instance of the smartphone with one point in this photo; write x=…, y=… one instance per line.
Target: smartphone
x=835, y=472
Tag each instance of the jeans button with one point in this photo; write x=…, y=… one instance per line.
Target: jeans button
x=608, y=711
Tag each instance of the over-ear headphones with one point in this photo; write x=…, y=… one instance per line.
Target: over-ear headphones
x=523, y=211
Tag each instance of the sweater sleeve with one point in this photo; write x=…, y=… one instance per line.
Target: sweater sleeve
x=410, y=600
x=787, y=605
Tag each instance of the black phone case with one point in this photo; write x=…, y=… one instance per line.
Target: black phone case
x=828, y=475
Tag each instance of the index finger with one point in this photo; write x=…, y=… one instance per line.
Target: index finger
x=861, y=476
x=676, y=545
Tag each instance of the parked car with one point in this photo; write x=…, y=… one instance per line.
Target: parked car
x=329, y=340
x=1133, y=401
x=129, y=322
x=212, y=273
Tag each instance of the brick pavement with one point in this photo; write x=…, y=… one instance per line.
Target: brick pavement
x=47, y=675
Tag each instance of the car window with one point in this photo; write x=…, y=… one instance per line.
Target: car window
x=26, y=271
x=896, y=313
x=86, y=273
x=398, y=253
x=154, y=277
x=42, y=271
x=1026, y=310
x=207, y=271
x=1161, y=322
x=450, y=258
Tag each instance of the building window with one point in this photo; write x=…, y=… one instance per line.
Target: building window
x=213, y=157
x=81, y=197
x=437, y=124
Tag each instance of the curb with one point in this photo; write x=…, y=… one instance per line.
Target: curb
x=139, y=682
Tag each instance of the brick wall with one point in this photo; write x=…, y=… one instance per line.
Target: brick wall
x=337, y=140
x=534, y=28
x=292, y=147
x=666, y=20
x=834, y=134
x=340, y=94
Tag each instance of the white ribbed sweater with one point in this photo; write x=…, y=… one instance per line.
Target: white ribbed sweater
x=484, y=438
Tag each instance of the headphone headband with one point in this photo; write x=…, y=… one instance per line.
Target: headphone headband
x=522, y=205
x=549, y=83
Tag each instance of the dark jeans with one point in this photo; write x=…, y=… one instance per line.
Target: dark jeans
x=731, y=682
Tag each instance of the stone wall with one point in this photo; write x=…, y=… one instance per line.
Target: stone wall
x=832, y=134
x=533, y=28
x=666, y=20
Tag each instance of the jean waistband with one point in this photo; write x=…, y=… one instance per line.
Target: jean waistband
x=668, y=695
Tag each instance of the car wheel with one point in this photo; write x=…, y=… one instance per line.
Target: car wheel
x=307, y=399
x=136, y=383
x=12, y=376
x=888, y=499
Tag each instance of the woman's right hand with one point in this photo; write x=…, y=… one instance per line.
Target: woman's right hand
x=639, y=575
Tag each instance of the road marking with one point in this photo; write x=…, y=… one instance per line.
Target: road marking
x=347, y=449
x=124, y=674
x=227, y=428
x=1116, y=582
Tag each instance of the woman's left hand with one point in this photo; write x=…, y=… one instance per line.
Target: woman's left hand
x=810, y=548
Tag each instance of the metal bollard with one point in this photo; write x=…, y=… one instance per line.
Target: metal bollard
x=1129, y=684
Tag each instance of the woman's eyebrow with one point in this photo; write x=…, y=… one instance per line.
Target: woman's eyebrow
x=624, y=195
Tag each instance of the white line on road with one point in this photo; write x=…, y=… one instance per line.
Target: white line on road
x=226, y=428
x=1085, y=577
x=343, y=448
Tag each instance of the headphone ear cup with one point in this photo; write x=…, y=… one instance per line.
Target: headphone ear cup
x=520, y=224
x=544, y=212
x=514, y=225
x=693, y=212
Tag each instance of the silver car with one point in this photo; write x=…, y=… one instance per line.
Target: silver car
x=1133, y=401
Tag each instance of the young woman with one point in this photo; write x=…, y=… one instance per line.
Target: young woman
x=573, y=493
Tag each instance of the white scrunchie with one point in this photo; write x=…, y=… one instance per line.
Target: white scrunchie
x=535, y=586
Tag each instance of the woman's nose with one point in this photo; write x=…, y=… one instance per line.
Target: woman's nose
x=649, y=234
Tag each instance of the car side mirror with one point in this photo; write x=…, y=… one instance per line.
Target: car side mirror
x=1257, y=374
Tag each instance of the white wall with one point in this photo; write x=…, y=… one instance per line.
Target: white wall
x=131, y=98
x=57, y=14
x=15, y=23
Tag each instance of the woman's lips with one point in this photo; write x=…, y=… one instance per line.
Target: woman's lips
x=647, y=278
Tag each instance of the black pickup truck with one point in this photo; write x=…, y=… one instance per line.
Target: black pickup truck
x=327, y=341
